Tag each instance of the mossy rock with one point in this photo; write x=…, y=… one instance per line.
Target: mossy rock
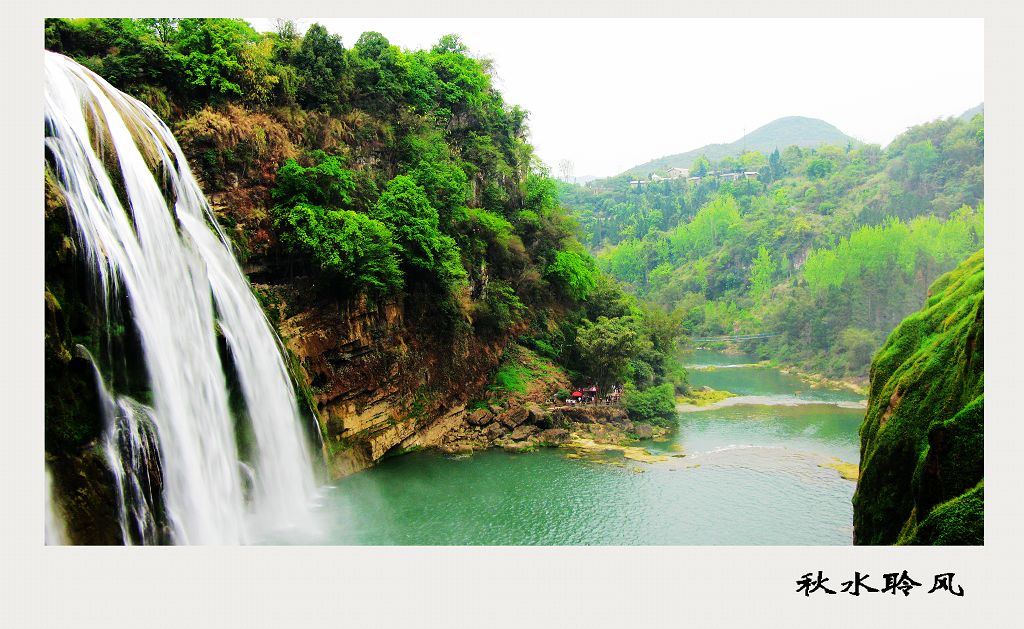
x=922, y=438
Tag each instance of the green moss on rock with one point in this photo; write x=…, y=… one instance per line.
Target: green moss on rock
x=922, y=439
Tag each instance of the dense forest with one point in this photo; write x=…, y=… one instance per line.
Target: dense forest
x=376, y=173
x=827, y=247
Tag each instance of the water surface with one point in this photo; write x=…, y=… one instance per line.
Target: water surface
x=751, y=475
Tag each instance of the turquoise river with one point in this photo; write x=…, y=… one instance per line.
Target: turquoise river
x=752, y=474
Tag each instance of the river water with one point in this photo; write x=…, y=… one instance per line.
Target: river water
x=752, y=474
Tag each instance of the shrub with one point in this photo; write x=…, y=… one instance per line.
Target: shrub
x=656, y=405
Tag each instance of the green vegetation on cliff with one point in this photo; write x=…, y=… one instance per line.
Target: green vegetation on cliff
x=370, y=174
x=922, y=440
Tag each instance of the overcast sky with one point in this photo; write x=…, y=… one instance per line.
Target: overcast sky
x=608, y=94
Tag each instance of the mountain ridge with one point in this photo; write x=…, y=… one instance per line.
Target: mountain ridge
x=779, y=133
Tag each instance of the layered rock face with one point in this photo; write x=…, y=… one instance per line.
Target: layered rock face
x=381, y=375
x=922, y=440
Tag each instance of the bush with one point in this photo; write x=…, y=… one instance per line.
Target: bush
x=349, y=245
x=405, y=209
x=575, y=271
x=656, y=405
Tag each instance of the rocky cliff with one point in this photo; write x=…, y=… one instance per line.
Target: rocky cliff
x=922, y=440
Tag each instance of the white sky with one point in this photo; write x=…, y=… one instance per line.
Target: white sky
x=612, y=93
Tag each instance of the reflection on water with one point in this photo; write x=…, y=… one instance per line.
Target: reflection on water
x=746, y=473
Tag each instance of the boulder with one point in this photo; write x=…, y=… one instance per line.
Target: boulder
x=480, y=417
x=523, y=432
x=494, y=430
x=516, y=446
x=553, y=435
x=643, y=431
x=514, y=416
x=535, y=414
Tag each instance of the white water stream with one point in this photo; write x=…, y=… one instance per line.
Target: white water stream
x=159, y=243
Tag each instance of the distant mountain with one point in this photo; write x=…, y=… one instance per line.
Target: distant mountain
x=972, y=112
x=776, y=134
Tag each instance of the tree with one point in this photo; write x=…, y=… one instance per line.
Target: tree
x=326, y=182
x=700, y=167
x=211, y=50
x=380, y=73
x=322, y=68
x=775, y=167
x=347, y=245
x=575, y=272
x=655, y=405
x=403, y=206
x=761, y=274
x=606, y=347
x=820, y=167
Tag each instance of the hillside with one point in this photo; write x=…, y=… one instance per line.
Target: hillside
x=778, y=134
x=922, y=440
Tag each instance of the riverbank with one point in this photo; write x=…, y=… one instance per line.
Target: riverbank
x=855, y=384
x=858, y=385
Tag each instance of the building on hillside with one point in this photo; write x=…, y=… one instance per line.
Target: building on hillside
x=677, y=173
x=750, y=174
x=729, y=176
x=636, y=183
x=693, y=180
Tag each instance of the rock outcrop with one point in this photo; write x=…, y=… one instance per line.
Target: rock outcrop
x=922, y=439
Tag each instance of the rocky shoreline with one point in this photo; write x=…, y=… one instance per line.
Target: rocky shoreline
x=530, y=426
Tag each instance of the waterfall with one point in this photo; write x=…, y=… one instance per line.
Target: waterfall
x=148, y=233
x=54, y=534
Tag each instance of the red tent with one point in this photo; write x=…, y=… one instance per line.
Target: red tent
x=577, y=394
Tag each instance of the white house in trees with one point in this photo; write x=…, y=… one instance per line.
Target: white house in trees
x=677, y=173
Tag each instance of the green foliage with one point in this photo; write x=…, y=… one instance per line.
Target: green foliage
x=403, y=206
x=761, y=272
x=700, y=167
x=922, y=436
x=325, y=182
x=322, y=69
x=830, y=238
x=212, y=50
x=512, y=378
x=606, y=347
x=655, y=405
x=575, y=271
x=499, y=310
x=820, y=168
x=348, y=245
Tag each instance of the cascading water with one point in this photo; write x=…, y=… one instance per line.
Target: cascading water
x=54, y=534
x=149, y=232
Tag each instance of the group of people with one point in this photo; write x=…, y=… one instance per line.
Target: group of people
x=589, y=395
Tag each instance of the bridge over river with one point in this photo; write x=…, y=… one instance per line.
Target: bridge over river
x=738, y=337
